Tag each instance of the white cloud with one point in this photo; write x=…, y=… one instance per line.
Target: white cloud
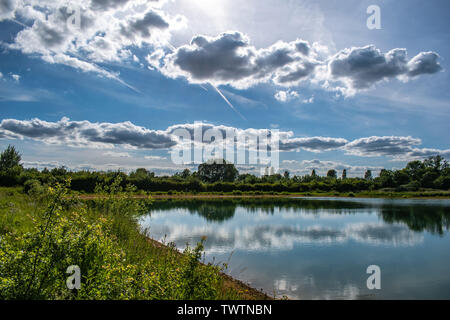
x=360, y=68
x=126, y=134
x=381, y=146
x=290, y=161
x=154, y=158
x=308, y=101
x=285, y=96
x=108, y=29
x=7, y=9
x=313, y=144
x=230, y=59
x=117, y=154
x=16, y=77
x=88, y=134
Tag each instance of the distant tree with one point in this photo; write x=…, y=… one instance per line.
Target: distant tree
x=141, y=173
x=61, y=171
x=436, y=163
x=332, y=173
x=386, y=178
x=443, y=182
x=401, y=177
x=217, y=170
x=286, y=174
x=313, y=173
x=415, y=170
x=368, y=175
x=9, y=158
x=186, y=173
x=247, y=178
x=344, y=174
x=428, y=179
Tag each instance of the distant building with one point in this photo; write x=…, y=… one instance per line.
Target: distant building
x=269, y=171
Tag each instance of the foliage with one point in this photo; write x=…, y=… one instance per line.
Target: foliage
x=217, y=170
x=332, y=174
x=9, y=158
x=102, y=237
x=220, y=176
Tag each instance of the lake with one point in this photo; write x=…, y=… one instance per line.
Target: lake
x=318, y=248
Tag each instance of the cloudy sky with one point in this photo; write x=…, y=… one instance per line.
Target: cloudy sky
x=104, y=84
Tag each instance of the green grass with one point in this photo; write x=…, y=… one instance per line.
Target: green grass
x=44, y=233
x=16, y=210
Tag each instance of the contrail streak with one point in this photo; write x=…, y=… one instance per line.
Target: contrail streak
x=108, y=74
x=18, y=22
x=228, y=102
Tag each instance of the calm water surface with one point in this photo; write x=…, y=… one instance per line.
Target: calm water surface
x=319, y=248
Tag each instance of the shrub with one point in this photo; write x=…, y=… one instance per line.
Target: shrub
x=102, y=238
x=33, y=187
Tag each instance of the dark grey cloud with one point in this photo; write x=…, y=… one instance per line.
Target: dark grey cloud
x=33, y=128
x=85, y=133
x=216, y=58
x=426, y=152
x=423, y=63
x=273, y=59
x=143, y=26
x=286, y=142
x=129, y=134
x=7, y=8
x=105, y=135
x=7, y=5
x=82, y=133
x=382, y=146
x=418, y=154
x=299, y=73
x=314, y=144
x=8, y=135
x=365, y=66
x=108, y=4
x=230, y=59
x=303, y=47
x=48, y=35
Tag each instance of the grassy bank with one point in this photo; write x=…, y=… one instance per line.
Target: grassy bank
x=46, y=231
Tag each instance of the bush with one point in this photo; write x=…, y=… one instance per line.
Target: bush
x=102, y=238
x=443, y=182
x=33, y=187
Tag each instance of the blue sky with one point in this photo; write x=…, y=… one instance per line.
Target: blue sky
x=311, y=69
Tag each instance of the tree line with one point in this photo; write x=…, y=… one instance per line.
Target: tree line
x=221, y=176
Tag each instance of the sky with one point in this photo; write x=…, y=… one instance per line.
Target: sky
x=104, y=85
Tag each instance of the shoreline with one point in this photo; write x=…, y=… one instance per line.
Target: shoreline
x=248, y=292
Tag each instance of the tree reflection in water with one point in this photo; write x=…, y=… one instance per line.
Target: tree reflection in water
x=417, y=215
